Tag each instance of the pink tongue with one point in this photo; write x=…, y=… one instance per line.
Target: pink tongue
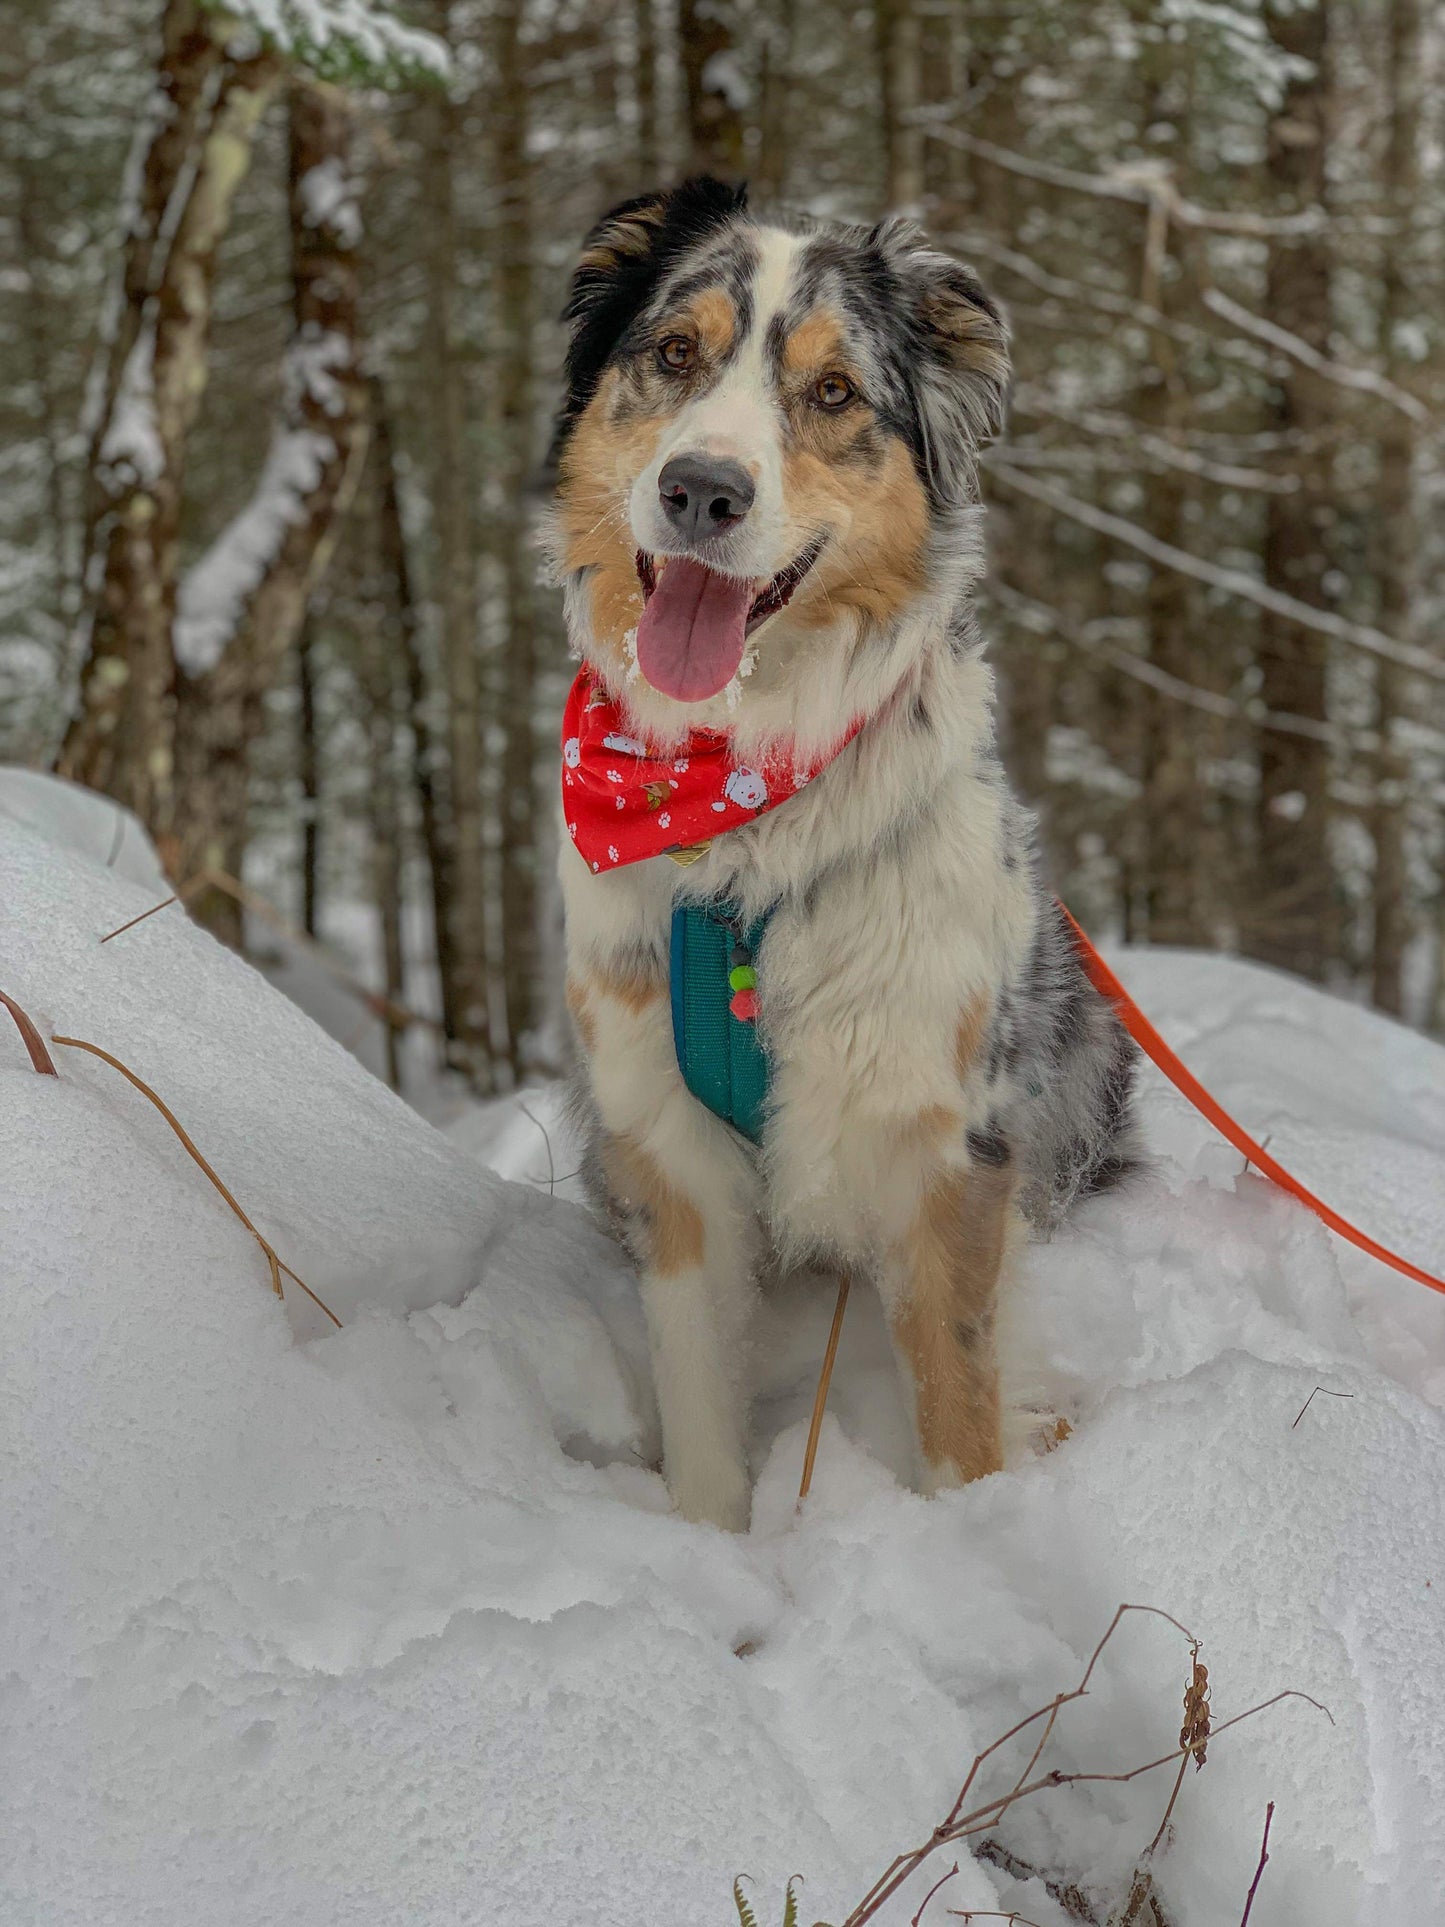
x=691, y=636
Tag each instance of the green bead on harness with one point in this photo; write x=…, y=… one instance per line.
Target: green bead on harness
x=714, y=1002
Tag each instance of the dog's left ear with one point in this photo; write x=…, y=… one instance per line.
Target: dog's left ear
x=622, y=260
x=960, y=361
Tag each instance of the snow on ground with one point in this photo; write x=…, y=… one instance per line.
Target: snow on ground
x=392, y=1624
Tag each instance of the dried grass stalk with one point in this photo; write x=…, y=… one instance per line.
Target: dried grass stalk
x=34, y=1043
x=276, y=1265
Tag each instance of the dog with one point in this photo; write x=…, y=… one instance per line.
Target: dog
x=767, y=526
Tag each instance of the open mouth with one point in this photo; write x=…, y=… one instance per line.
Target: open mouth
x=696, y=622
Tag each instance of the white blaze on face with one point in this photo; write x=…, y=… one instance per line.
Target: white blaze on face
x=738, y=420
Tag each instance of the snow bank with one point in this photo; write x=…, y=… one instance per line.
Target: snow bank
x=392, y=1624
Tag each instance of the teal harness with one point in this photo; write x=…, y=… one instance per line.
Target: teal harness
x=722, y=1062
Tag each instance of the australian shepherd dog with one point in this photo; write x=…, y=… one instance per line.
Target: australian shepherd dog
x=768, y=528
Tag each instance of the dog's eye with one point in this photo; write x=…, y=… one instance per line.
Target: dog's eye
x=677, y=353
x=833, y=391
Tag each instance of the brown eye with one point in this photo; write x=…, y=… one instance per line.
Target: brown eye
x=833, y=391
x=677, y=353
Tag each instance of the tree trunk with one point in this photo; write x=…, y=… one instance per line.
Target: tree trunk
x=466, y=945
x=518, y=813
x=644, y=93
x=190, y=62
x=427, y=767
x=708, y=45
x=1173, y=817
x=900, y=87
x=242, y=606
x=308, y=758
x=1398, y=549
x=122, y=739
x=1293, y=924
x=379, y=679
x=775, y=90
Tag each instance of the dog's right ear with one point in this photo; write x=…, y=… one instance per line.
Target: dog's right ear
x=623, y=259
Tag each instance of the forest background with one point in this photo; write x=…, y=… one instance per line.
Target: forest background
x=279, y=288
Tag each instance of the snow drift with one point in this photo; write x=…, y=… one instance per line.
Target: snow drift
x=393, y=1623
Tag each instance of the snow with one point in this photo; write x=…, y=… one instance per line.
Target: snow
x=131, y=451
x=341, y=36
x=393, y=1623
x=214, y=592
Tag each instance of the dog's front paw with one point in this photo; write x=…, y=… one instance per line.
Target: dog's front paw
x=717, y=1495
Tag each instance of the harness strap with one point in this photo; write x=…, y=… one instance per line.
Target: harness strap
x=721, y=1059
x=1183, y=1079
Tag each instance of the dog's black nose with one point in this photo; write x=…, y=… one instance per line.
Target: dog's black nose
x=704, y=495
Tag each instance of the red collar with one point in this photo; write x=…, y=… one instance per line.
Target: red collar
x=622, y=803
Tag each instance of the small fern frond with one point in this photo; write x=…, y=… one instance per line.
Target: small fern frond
x=746, y=1916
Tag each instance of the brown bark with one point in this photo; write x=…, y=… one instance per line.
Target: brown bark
x=190, y=62
x=896, y=25
x=221, y=704
x=1398, y=563
x=518, y=813
x=123, y=737
x=775, y=90
x=308, y=768
x=427, y=769
x=709, y=45
x=1293, y=922
x=644, y=88
x=467, y=945
x=1172, y=820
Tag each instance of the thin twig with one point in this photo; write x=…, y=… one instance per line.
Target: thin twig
x=960, y=1826
x=1233, y=582
x=275, y=1264
x=1259, y=1870
x=985, y=1913
x=917, y=1918
x=1310, y=1400
x=820, y=1397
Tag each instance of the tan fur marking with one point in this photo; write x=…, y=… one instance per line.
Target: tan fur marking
x=933, y=1126
x=716, y=321
x=582, y=1014
x=944, y=1323
x=674, y=1223
x=816, y=345
x=598, y=467
x=630, y=988
x=875, y=561
x=968, y=1041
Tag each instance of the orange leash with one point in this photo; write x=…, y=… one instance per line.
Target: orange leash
x=1153, y=1045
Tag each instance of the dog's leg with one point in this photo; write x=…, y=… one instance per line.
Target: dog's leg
x=940, y=1278
x=685, y=1194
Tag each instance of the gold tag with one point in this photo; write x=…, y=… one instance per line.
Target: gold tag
x=689, y=854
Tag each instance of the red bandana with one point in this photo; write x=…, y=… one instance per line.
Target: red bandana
x=622, y=803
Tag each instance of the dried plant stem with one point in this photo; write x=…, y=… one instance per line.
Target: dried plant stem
x=1311, y=1399
x=1259, y=1870
x=941, y=1882
x=1168, y=1811
x=825, y=1378
x=981, y=1913
x=276, y=1265
x=34, y=1043
x=961, y=1825
x=398, y=1016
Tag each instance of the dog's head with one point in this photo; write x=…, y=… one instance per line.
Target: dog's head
x=761, y=426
